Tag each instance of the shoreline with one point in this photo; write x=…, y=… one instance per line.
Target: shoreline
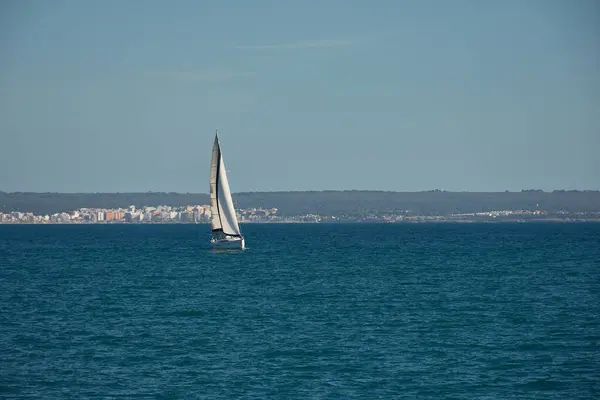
x=424, y=221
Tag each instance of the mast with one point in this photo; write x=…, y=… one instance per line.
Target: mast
x=215, y=218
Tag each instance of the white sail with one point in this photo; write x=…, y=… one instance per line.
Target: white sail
x=223, y=218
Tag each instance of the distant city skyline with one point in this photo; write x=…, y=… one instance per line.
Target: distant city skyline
x=119, y=96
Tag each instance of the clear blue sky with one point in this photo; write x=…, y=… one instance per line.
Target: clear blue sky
x=117, y=95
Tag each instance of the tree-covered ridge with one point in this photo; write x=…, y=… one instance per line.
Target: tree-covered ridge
x=329, y=202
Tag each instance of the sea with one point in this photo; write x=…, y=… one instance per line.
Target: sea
x=308, y=311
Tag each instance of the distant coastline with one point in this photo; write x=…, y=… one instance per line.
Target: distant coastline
x=440, y=221
x=305, y=207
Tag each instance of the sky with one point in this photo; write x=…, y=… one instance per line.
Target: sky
x=462, y=95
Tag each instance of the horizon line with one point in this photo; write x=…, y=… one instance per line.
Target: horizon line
x=313, y=191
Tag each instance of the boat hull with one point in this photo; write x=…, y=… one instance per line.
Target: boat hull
x=229, y=244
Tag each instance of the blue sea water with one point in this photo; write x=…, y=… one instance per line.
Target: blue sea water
x=346, y=311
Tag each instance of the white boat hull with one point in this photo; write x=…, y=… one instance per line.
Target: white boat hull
x=228, y=243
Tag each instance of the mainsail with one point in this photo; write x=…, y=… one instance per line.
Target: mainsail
x=223, y=218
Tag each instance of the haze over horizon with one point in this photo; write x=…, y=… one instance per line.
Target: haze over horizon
x=399, y=96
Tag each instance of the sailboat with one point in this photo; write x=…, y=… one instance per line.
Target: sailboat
x=225, y=231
